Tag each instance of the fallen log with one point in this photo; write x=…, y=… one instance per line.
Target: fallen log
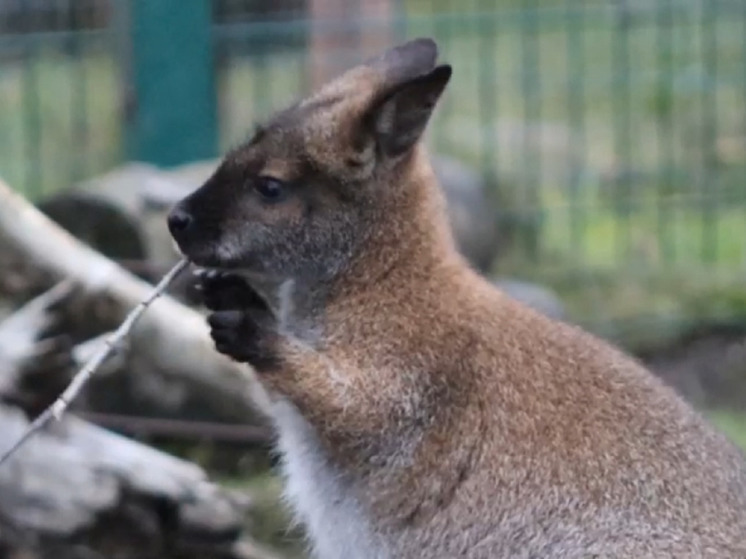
x=77, y=490
x=109, y=212
x=27, y=353
x=172, y=338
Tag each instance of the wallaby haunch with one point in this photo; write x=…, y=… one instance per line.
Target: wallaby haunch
x=421, y=413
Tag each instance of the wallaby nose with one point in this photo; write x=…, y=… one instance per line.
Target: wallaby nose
x=179, y=221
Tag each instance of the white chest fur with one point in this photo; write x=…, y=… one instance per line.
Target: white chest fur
x=336, y=526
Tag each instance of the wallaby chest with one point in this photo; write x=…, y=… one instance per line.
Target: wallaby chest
x=319, y=495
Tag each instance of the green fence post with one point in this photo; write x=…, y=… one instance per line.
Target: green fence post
x=173, y=117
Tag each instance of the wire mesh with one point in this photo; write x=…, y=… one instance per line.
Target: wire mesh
x=613, y=130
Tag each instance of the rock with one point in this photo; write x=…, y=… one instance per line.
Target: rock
x=122, y=214
x=706, y=365
x=104, y=212
x=471, y=210
x=535, y=296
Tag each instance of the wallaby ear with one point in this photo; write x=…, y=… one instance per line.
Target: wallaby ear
x=406, y=61
x=398, y=119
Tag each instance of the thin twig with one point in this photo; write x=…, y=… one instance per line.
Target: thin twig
x=58, y=408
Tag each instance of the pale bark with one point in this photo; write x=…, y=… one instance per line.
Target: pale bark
x=78, y=490
x=170, y=337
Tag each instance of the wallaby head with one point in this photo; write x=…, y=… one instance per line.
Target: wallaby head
x=303, y=193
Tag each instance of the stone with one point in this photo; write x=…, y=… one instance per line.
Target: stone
x=539, y=298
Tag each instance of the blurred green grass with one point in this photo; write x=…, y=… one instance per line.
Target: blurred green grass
x=270, y=521
x=732, y=423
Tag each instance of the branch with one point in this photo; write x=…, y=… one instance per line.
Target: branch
x=20, y=333
x=171, y=338
x=56, y=410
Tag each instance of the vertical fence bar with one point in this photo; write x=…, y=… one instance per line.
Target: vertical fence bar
x=33, y=175
x=620, y=94
x=401, y=20
x=78, y=112
x=488, y=100
x=224, y=77
x=442, y=15
x=301, y=74
x=664, y=128
x=331, y=49
x=487, y=91
x=120, y=45
x=531, y=115
x=576, y=103
x=377, y=26
x=741, y=201
x=174, y=117
x=709, y=190
x=305, y=56
x=260, y=81
x=7, y=141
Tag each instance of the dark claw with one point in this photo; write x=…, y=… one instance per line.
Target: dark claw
x=221, y=291
x=246, y=336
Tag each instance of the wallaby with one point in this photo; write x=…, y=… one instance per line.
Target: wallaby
x=420, y=412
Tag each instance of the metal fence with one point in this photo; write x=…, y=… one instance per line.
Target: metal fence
x=59, y=96
x=615, y=131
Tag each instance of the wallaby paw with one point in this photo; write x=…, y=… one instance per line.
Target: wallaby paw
x=248, y=336
x=222, y=291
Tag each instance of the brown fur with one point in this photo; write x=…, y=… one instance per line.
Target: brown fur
x=457, y=421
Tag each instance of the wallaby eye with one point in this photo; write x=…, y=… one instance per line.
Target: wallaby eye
x=269, y=188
